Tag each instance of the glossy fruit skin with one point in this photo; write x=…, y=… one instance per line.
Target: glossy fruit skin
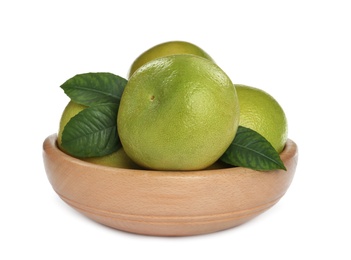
x=166, y=49
x=178, y=112
x=262, y=113
x=117, y=159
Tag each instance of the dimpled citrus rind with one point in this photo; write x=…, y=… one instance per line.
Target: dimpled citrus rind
x=262, y=113
x=178, y=112
x=166, y=49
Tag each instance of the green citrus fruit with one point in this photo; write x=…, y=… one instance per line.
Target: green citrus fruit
x=165, y=49
x=262, y=113
x=178, y=112
x=116, y=159
x=70, y=111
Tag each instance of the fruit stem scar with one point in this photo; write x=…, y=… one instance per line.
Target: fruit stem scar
x=152, y=98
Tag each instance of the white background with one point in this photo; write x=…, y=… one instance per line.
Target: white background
x=298, y=51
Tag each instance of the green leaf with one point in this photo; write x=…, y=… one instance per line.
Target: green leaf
x=94, y=88
x=92, y=132
x=251, y=150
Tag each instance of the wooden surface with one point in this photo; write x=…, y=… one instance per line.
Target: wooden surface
x=166, y=203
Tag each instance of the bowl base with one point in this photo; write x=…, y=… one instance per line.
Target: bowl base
x=169, y=226
x=166, y=203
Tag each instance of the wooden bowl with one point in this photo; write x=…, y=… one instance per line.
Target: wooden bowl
x=166, y=203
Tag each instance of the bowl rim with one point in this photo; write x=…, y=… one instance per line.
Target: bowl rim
x=50, y=146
